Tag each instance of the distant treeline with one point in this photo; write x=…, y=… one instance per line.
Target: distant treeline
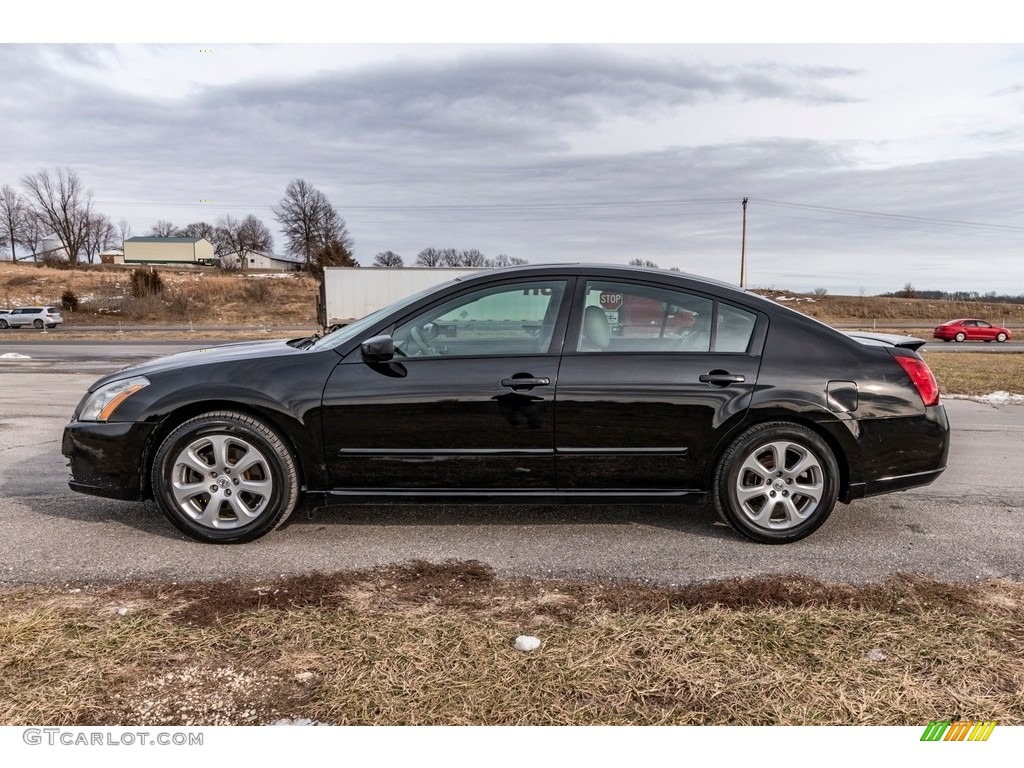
x=912, y=293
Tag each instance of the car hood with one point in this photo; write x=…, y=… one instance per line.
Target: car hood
x=246, y=350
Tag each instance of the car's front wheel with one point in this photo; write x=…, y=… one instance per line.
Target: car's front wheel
x=4, y=324
x=960, y=336
x=1001, y=337
x=225, y=478
x=776, y=483
x=37, y=324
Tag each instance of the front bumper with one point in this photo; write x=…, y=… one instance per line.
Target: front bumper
x=108, y=459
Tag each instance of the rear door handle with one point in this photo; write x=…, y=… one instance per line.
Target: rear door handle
x=526, y=383
x=721, y=378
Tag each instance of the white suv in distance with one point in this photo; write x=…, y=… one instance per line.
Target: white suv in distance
x=37, y=317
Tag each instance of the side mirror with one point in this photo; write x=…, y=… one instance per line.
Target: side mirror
x=379, y=349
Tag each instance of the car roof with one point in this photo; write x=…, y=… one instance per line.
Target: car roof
x=602, y=270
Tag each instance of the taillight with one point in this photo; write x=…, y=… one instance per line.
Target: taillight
x=922, y=376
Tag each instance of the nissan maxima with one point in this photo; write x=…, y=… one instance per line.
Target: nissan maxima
x=585, y=384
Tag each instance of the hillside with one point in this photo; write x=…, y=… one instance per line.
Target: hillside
x=202, y=296
x=214, y=297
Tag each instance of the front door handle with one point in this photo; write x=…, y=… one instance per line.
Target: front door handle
x=526, y=382
x=721, y=378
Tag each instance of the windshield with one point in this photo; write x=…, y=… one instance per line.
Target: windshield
x=363, y=324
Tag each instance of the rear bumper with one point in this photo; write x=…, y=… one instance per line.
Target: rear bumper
x=890, y=484
x=107, y=459
x=900, y=453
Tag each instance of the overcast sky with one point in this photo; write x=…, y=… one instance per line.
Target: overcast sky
x=866, y=166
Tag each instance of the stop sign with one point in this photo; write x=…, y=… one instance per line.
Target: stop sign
x=611, y=301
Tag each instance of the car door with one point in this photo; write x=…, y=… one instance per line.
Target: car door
x=984, y=331
x=650, y=377
x=467, y=402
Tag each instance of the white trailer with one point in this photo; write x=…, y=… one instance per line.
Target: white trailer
x=348, y=293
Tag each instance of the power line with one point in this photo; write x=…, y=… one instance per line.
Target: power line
x=853, y=212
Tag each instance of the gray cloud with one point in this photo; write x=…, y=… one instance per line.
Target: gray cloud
x=410, y=151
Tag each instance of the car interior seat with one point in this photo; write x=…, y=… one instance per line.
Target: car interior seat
x=596, y=333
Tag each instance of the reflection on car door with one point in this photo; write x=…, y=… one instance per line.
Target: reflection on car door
x=648, y=378
x=466, y=403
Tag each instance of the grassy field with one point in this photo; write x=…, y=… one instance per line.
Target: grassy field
x=977, y=373
x=201, y=296
x=433, y=644
x=213, y=296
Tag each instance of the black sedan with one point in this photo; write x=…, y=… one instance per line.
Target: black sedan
x=545, y=383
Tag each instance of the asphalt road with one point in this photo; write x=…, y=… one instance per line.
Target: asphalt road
x=968, y=525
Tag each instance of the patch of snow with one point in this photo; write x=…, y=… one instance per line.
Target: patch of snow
x=992, y=398
x=527, y=643
x=1001, y=398
x=14, y=356
x=875, y=654
x=299, y=721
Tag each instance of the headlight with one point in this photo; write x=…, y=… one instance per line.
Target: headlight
x=101, y=404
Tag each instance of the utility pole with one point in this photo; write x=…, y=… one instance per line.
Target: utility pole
x=743, y=248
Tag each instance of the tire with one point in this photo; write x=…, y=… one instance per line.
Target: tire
x=959, y=337
x=1001, y=337
x=38, y=324
x=218, y=505
x=4, y=324
x=770, y=505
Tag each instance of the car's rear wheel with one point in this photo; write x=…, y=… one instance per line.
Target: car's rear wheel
x=776, y=483
x=37, y=324
x=1001, y=337
x=225, y=478
x=960, y=336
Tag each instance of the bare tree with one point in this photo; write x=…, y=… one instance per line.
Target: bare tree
x=65, y=207
x=245, y=237
x=643, y=263
x=451, y=257
x=32, y=234
x=503, y=260
x=13, y=219
x=199, y=229
x=472, y=258
x=428, y=257
x=311, y=226
x=124, y=231
x=102, y=235
x=388, y=259
x=163, y=228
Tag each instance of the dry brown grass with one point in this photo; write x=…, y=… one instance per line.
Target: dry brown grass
x=977, y=373
x=432, y=644
x=216, y=297
x=203, y=296
x=858, y=309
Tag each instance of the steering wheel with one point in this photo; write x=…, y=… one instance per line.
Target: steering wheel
x=420, y=339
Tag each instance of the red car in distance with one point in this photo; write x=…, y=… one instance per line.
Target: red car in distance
x=968, y=329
